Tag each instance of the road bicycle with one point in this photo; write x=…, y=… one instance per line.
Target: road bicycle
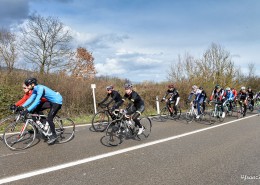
x=102, y=118
x=229, y=107
x=216, y=113
x=124, y=128
x=21, y=132
x=241, y=109
x=257, y=104
x=250, y=106
x=165, y=112
x=192, y=114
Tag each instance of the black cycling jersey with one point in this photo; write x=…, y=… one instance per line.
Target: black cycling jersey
x=115, y=96
x=135, y=98
x=250, y=94
x=242, y=95
x=173, y=94
x=204, y=94
x=218, y=95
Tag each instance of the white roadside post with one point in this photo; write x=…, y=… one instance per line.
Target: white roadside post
x=93, y=86
x=157, y=105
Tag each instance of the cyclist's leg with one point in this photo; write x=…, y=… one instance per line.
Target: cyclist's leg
x=136, y=120
x=169, y=107
x=245, y=107
x=175, y=108
x=53, y=111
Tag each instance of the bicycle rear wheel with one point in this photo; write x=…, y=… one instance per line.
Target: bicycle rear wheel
x=147, y=124
x=100, y=121
x=65, y=129
x=19, y=136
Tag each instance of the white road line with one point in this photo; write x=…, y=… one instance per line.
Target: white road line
x=94, y=158
x=6, y=155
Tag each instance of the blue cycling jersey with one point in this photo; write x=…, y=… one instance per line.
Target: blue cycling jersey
x=229, y=95
x=40, y=91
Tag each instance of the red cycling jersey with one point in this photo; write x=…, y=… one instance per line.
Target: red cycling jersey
x=26, y=97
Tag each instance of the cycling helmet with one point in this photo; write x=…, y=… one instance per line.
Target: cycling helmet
x=228, y=88
x=30, y=81
x=243, y=88
x=201, y=88
x=194, y=87
x=128, y=86
x=110, y=87
x=217, y=87
x=170, y=86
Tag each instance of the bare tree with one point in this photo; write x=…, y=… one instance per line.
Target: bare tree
x=182, y=69
x=251, y=70
x=8, y=49
x=45, y=42
x=215, y=67
x=218, y=66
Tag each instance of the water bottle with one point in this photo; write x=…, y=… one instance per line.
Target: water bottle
x=39, y=123
x=46, y=126
x=129, y=123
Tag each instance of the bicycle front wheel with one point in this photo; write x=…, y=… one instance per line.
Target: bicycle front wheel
x=147, y=124
x=19, y=136
x=189, y=117
x=65, y=129
x=100, y=121
x=113, y=135
x=164, y=113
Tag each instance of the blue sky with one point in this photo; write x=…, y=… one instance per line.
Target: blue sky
x=141, y=39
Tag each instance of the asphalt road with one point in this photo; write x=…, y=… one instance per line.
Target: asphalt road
x=175, y=153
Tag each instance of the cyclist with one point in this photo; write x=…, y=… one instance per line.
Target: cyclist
x=204, y=94
x=234, y=91
x=229, y=96
x=250, y=96
x=54, y=100
x=218, y=95
x=136, y=108
x=115, y=96
x=26, y=96
x=242, y=97
x=173, y=99
x=199, y=98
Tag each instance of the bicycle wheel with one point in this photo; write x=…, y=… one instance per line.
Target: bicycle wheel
x=213, y=117
x=100, y=121
x=164, y=113
x=220, y=118
x=147, y=124
x=19, y=136
x=65, y=129
x=189, y=116
x=178, y=113
x=113, y=135
x=239, y=113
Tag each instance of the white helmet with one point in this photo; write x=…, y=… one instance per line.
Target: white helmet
x=243, y=88
x=228, y=89
x=194, y=87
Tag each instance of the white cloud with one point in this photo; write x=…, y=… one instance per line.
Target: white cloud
x=110, y=67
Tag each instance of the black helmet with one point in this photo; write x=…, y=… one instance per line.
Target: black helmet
x=217, y=86
x=110, y=87
x=128, y=86
x=30, y=81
